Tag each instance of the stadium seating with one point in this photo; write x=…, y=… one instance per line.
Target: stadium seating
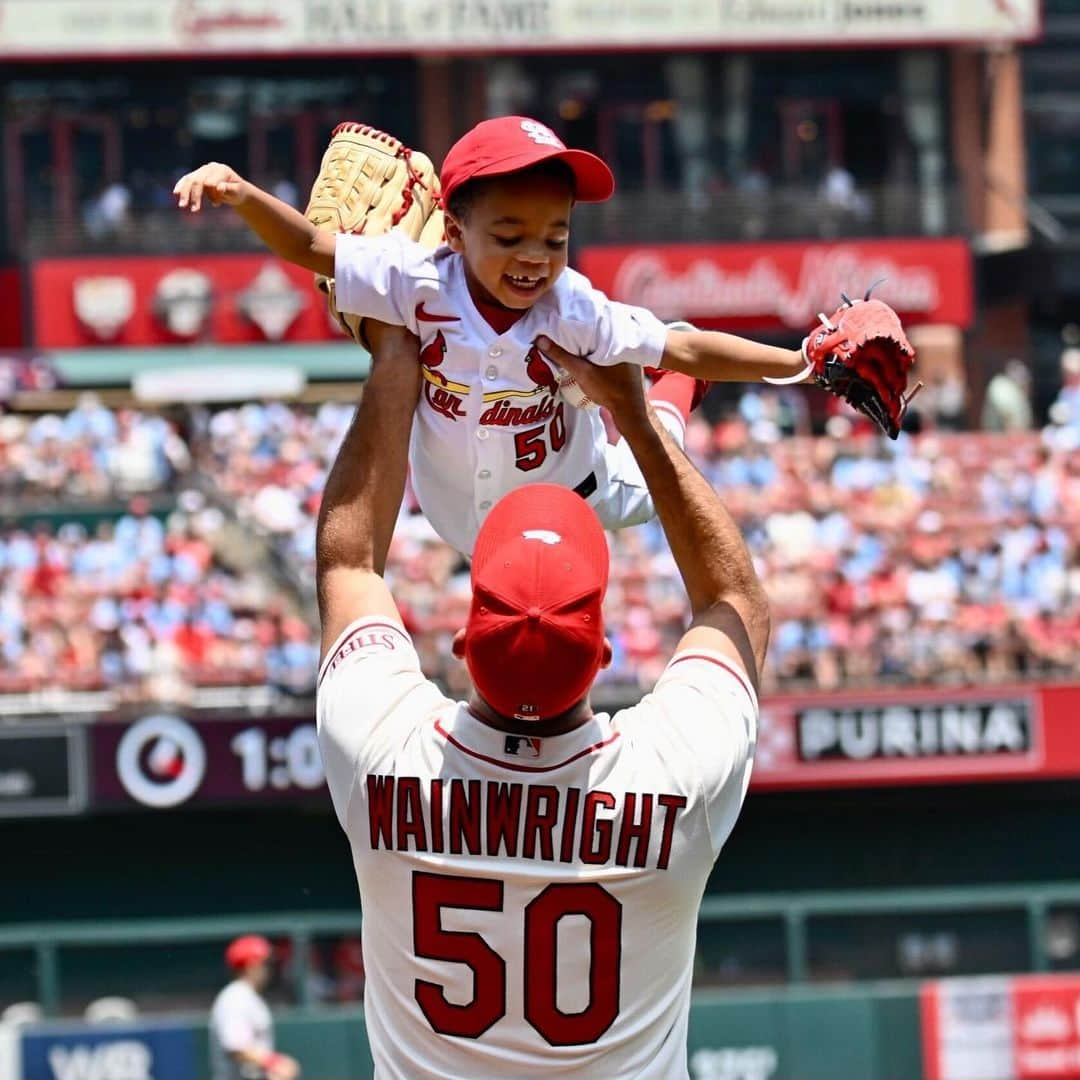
x=944, y=557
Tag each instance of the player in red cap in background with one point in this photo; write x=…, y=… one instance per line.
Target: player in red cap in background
x=241, y=1029
x=530, y=871
x=492, y=415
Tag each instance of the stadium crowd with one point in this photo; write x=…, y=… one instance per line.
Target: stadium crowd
x=103, y=589
x=946, y=556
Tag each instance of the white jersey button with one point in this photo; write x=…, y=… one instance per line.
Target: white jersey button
x=482, y=433
x=484, y=474
x=492, y=371
x=485, y=505
x=495, y=350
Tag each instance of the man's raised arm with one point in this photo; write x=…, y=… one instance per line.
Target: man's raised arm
x=729, y=606
x=363, y=491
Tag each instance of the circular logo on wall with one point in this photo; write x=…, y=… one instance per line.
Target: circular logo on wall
x=161, y=761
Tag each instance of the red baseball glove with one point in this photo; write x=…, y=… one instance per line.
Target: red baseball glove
x=862, y=355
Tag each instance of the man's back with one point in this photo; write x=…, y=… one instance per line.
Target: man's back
x=531, y=901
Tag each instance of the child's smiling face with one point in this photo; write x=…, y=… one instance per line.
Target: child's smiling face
x=513, y=237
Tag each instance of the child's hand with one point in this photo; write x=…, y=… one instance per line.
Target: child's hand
x=217, y=182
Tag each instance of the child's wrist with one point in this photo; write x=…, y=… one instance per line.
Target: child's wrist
x=799, y=369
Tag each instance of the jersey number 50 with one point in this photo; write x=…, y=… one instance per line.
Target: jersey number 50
x=532, y=448
x=433, y=892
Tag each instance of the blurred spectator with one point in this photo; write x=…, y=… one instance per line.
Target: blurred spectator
x=839, y=193
x=1065, y=412
x=754, y=181
x=1008, y=400
x=90, y=453
x=109, y=212
x=284, y=189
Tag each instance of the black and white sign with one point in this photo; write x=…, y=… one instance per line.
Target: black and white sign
x=161, y=761
x=940, y=729
x=42, y=771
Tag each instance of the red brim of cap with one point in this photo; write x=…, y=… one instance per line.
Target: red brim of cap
x=593, y=180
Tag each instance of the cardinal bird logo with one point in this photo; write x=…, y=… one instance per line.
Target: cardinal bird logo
x=433, y=354
x=539, y=370
x=444, y=396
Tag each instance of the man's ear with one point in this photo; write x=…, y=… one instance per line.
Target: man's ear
x=455, y=236
x=606, y=655
x=457, y=646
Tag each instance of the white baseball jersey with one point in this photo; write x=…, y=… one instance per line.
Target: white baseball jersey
x=239, y=1020
x=530, y=905
x=491, y=418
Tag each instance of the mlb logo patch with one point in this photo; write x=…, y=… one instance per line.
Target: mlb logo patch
x=522, y=746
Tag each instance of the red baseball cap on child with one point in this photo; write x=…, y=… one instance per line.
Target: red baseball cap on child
x=535, y=636
x=509, y=144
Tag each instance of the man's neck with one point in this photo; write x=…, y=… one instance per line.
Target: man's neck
x=575, y=717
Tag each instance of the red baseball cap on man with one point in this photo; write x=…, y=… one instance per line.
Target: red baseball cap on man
x=509, y=144
x=535, y=636
x=247, y=950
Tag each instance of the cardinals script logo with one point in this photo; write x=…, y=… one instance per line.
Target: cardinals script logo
x=502, y=410
x=444, y=396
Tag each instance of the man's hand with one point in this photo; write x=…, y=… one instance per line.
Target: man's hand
x=283, y=1067
x=620, y=388
x=219, y=183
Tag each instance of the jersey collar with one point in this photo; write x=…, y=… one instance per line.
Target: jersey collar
x=466, y=732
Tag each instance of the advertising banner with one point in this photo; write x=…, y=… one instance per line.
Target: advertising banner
x=1022, y=1028
x=169, y=300
x=59, y=28
x=151, y=1051
x=785, y=285
x=165, y=761
x=918, y=737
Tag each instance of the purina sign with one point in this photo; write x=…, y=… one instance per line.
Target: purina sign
x=928, y=736
x=971, y=728
x=786, y=284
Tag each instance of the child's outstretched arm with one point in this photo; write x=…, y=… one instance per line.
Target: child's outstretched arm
x=717, y=357
x=285, y=231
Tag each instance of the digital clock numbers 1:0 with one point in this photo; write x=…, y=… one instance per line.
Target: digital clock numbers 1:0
x=282, y=762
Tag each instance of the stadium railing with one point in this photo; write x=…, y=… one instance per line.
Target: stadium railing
x=633, y=217
x=1036, y=902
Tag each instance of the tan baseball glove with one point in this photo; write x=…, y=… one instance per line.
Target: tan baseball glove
x=370, y=183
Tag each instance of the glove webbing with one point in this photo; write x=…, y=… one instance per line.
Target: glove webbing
x=403, y=152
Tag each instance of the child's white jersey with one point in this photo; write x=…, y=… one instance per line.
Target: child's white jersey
x=491, y=417
x=530, y=905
